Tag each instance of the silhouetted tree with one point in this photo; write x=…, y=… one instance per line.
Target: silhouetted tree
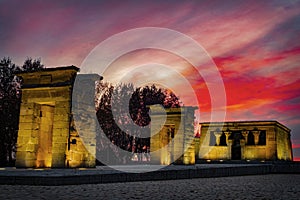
x=31, y=65
x=121, y=107
x=10, y=105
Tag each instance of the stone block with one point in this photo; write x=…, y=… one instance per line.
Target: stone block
x=61, y=118
x=26, y=111
x=23, y=139
x=59, y=147
x=25, y=126
x=34, y=140
x=30, y=155
x=29, y=163
x=24, y=132
x=26, y=118
x=31, y=147
x=58, y=163
x=61, y=110
x=62, y=104
x=34, y=133
x=77, y=156
x=58, y=133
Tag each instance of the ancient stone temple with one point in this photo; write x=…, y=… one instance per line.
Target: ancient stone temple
x=48, y=135
x=172, y=135
x=245, y=140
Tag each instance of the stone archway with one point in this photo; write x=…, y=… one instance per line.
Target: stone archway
x=45, y=136
x=172, y=139
x=236, y=150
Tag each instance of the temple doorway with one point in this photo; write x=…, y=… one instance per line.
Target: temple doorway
x=166, y=138
x=172, y=135
x=44, y=150
x=236, y=153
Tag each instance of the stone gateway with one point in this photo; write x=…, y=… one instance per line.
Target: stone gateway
x=47, y=134
x=172, y=135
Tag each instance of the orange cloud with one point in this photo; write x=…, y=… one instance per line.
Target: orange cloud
x=255, y=45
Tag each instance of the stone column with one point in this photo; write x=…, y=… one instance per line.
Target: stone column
x=197, y=146
x=218, y=135
x=227, y=134
x=256, y=136
x=242, y=143
x=171, y=135
x=229, y=146
x=245, y=135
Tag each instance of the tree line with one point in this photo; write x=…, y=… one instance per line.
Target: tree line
x=119, y=109
x=10, y=98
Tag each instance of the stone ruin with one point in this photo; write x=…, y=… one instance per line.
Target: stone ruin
x=244, y=140
x=49, y=135
x=172, y=135
x=57, y=128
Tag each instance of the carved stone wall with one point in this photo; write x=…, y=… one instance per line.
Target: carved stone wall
x=82, y=148
x=245, y=140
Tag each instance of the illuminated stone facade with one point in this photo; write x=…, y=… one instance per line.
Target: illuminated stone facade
x=245, y=140
x=47, y=134
x=172, y=135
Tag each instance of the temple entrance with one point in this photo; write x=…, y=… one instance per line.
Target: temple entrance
x=50, y=98
x=172, y=135
x=236, y=153
x=44, y=151
x=166, y=137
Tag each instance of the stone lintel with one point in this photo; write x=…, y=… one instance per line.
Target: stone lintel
x=238, y=124
x=49, y=77
x=159, y=110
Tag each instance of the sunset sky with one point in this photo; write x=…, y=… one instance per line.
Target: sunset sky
x=254, y=46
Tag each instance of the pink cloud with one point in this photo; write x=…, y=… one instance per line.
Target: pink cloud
x=255, y=53
x=296, y=158
x=294, y=146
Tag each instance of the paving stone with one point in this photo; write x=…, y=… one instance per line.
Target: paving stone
x=272, y=186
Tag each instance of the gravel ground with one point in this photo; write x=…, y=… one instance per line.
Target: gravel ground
x=275, y=186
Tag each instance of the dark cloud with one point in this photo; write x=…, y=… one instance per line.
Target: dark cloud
x=65, y=31
x=284, y=36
